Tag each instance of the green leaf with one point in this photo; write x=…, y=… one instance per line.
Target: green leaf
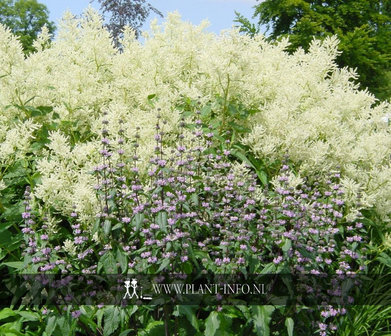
x=206, y=110
x=261, y=316
x=14, y=264
x=112, y=320
x=39, y=111
x=225, y=328
x=6, y=312
x=50, y=325
x=239, y=128
x=138, y=220
x=212, y=324
x=3, y=253
x=262, y=176
x=117, y=226
x=28, y=315
x=289, y=326
x=287, y=245
x=162, y=220
x=63, y=326
x=122, y=259
x=187, y=267
x=88, y=322
x=4, y=226
x=190, y=315
x=241, y=156
x=155, y=328
x=194, y=199
x=107, y=263
x=5, y=238
x=163, y=265
x=99, y=317
x=385, y=259
x=107, y=227
x=268, y=269
x=9, y=329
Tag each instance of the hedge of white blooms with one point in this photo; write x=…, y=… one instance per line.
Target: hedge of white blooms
x=306, y=106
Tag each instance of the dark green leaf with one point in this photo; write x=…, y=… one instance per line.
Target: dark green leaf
x=107, y=227
x=163, y=265
x=112, y=320
x=188, y=311
x=122, y=259
x=107, y=263
x=261, y=317
x=212, y=324
x=155, y=328
x=161, y=220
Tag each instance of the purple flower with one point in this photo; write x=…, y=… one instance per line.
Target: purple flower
x=145, y=254
x=75, y=314
x=277, y=260
x=47, y=267
x=152, y=260
x=36, y=260
x=162, y=163
x=105, y=152
x=26, y=215
x=79, y=240
x=322, y=326
x=46, y=250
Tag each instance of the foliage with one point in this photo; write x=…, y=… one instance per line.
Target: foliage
x=363, y=27
x=131, y=13
x=25, y=18
x=263, y=106
x=195, y=212
x=246, y=26
x=300, y=104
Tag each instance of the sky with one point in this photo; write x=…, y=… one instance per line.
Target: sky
x=220, y=13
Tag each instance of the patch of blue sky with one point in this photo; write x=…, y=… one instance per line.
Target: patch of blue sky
x=220, y=13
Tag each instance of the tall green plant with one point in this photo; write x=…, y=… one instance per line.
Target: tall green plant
x=25, y=18
x=362, y=26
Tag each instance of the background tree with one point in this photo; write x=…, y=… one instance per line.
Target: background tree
x=25, y=18
x=363, y=27
x=125, y=12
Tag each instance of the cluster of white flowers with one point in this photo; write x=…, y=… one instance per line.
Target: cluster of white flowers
x=306, y=106
x=15, y=139
x=66, y=176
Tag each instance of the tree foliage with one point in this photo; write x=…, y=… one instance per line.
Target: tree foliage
x=126, y=12
x=25, y=18
x=363, y=28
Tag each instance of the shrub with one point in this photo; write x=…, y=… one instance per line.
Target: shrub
x=300, y=104
x=196, y=211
